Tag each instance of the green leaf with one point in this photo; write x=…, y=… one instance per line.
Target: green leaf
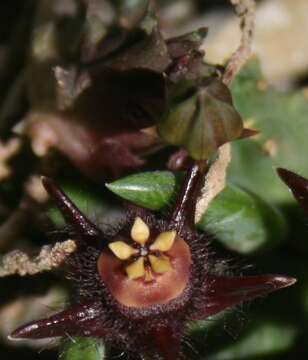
x=264, y=339
x=152, y=190
x=281, y=118
x=241, y=220
x=83, y=349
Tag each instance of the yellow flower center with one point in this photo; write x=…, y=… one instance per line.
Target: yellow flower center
x=146, y=258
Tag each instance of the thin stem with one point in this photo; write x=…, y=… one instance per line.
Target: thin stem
x=245, y=9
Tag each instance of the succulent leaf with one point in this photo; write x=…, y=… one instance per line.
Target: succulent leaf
x=203, y=121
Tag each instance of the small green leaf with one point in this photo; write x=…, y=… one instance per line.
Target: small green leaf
x=241, y=220
x=152, y=190
x=83, y=349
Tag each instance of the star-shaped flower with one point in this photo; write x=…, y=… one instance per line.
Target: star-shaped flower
x=145, y=256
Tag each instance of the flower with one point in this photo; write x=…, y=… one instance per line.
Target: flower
x=138, y=285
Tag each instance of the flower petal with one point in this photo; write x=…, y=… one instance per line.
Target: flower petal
x=81, y=320
x=140, y=231
x=164, y=241
x=225, y=292
x=71, y=213
x=168, y=341
x=297, y=184
x=122, y=250
x=160, y=264
x=136, y=270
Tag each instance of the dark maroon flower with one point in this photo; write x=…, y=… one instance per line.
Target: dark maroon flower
x=138, y=285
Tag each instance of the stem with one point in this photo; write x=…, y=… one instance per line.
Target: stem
x=245, y=10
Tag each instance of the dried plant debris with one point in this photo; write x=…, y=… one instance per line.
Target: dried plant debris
x=245, y=9
x=50, y=257
x=8, y=150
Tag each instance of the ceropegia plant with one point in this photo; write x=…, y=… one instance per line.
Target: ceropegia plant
x=146, y=279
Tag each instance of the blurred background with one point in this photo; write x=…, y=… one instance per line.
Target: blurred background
x=263, y=229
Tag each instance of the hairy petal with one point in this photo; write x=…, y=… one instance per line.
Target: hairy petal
x=225, y=292
x=298, y=186
x=167, y=341
x=83, y=320
x=71, y=213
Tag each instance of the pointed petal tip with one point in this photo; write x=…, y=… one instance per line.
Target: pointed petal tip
x=265, y=284
x=282, y=171
x=16, y=338
x=297, y=184
x=12, y=337
x=28, y=331
x=228, y=292
x=47, y=182
x=285, y=174
x=79, y=320
x=247, y=133
x=293, y=180
x=280, y=282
